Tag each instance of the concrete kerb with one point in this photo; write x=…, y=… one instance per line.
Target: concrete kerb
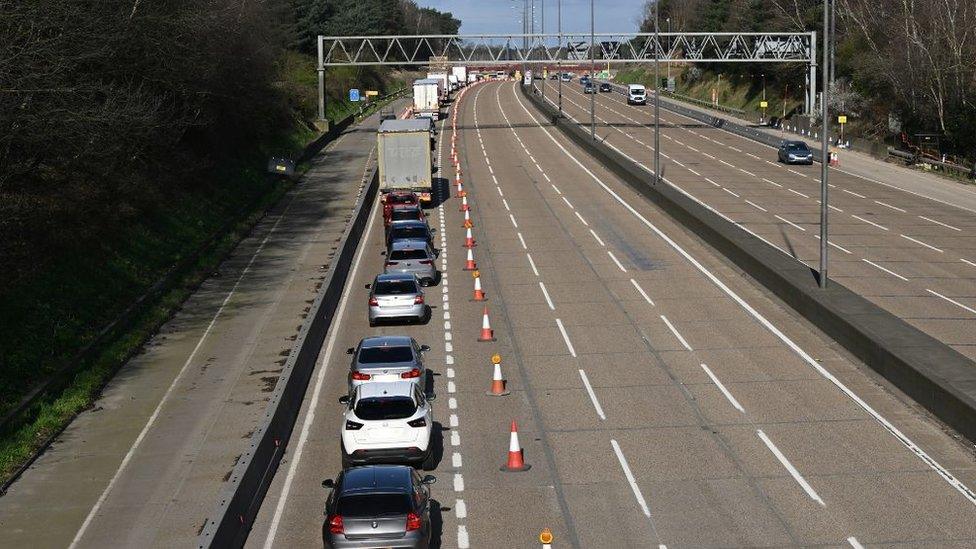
x=240, y=500
x=927, y=370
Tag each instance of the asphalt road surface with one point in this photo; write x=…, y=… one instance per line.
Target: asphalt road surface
x=663, y=399
x=912, y=255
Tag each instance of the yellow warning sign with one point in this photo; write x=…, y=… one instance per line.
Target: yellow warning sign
x=842, y=119
x=372, y=92
x=762, y=104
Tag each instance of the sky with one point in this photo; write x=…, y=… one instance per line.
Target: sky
x=499, y=16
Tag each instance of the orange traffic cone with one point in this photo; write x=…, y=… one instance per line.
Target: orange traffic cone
x=479, y=295
x=464, y=204
x=468, y=239
x=497, y=383
x=467, y=219
x=470, y=265
x=461, y=193
x=516, y=461
x=487, y=334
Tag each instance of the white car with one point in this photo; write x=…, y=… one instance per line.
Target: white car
x=636, y=95
x=387, y=422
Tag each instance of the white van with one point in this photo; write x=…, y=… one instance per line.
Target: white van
x=636, y=95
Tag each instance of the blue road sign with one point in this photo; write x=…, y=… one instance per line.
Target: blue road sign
x=354, y=94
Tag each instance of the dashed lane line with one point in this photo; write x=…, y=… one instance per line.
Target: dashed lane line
x=676, y=333
x=790, y=468
x=593, y=399
x=569, y=344
x=915, y=240
x=950, y=300
x=892, y=273
x=721, y=387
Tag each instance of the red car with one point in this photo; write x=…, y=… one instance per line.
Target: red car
x=397, y=198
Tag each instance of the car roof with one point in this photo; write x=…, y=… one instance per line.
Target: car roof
x=408, y=223
x=409, y=244
x=387, y=341
x=387, y=389
x=396, y=277
x=795, y=143
x=406, y=206
x=372, y=478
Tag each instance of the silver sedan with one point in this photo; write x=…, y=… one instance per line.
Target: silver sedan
x=396, y=296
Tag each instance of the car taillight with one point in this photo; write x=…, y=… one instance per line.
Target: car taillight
x=353, y=426
x=419, y=422
x=426, y=261
x=411, y=374
x=373, y=302
x=419, y=300
x=359, y=376
x=413, y=522
x=335, y=524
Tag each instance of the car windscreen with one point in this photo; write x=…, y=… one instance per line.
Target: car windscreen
x=798, y=147
x=405, y=215
x=401, y=255
x=377, y=409
x=373, y=505
x=396, y=287
x=418, y=233
x=377, y=355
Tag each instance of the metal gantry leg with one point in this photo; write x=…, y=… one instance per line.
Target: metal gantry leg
x=321, y=71
x=825, y=154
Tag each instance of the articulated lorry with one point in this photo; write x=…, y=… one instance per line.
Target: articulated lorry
x=405, y=160
x=426, y=98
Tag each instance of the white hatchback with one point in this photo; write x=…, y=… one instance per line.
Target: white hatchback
x=387, y=422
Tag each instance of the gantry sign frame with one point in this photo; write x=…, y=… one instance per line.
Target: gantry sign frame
x=553, y=48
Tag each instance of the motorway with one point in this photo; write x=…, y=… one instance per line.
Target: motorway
x=663, y=398
x=914, y=256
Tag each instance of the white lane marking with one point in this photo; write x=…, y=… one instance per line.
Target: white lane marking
x=754, y=156
x=968, y=262
x=452, y=403
x=796, y=172
x=892, y=273
x=450, y=371
x=854, y=193
x=451, y=387
x=734, y=149
x=885, y=204
x=447, y=325
x=694, y=172
x=569, y=343
x=712, y=182
x=505, y=202
x=522, y=240
x=708, y=155
x=909, y=444
x=747, y=172
x=784, y=220
x=581, y=219
x=789, y=467
x=546, y=294
x=940, y=223
x=598, y=239
x=532, y=263
x=555, y=188
x=726, y=163
x=798, y=192
x=771, y=182
x=929, y=246
x=630, y=478
x=642, y=292
x=829, y=243
x=589, y=390
x=615, y=260
x=512, y=217
x=676, y=333
x=854, y=543
x=313, y=403
x=455, y=438
x=869, y=222
x=950, y=300
x=499, y=189
x=728, y=395
x=730, y=192
x=458, y=482
x=460, y=509
x=753, y=204
x=568, y=203
x=456, y=460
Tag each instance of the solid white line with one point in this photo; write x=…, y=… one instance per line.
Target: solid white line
x=676, y=333
x=882, y=227
x=953, y=301
x=316, y=395
x=615, y=260
x=569, y=343
x=512, y=217
x=885, y=204
x=598, y=239
x=798, y=192
x=854, y=543
x=771, y=182
x=730, y=192
x=751, y=203
x=546, y=294
x=581, y=219
x=909, y=444
x=940, y=223
x=642, y=292
x=789, y=467
x=892, y=273
x=522, y=240
x=728, y=395
x=630, y=478
x=532, y=263
x=929, y=246
x=854, y=193
x=589, y=390
x=784, y=220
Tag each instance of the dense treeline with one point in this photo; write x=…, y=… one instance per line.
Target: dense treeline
x=900, y=66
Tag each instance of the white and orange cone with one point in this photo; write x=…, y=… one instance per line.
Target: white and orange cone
x=487, y=334
x=464, y=204
x=461, y=193
x=467, y=220
x=469, y=239
x=498, y=385
x=469, y=264
x=479, y=294
x=516, y=460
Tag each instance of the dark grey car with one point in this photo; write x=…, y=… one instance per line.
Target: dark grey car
x=409, y=230
x=414, y=257
x=378, y=506
x=795, y=152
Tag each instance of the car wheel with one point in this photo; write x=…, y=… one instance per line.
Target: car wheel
x=430, y=461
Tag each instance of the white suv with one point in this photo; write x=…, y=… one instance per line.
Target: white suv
x=387, y=422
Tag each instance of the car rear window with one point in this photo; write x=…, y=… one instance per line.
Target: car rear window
x=377, y=355
x=401, y=199
x=411, y=232
x=399, y=287
x=373, y=505
x=385, y=408
x=400, y=255
x=797, y=147
x=405, y=215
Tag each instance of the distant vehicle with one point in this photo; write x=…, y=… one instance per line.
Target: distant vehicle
x=636, y=95
x=387, y=358
x=409, y=230
x=500, y=74
x=406, y=212
x=565, y=77
x=553, y=76
x=795, y=152
x=388, y=423
x=588, y=87
x=605, y=87
x=412, y=256
x=404, y=159
x=396, y=296
x=378, y=506
x=584, y=80
x=426, y=98
x=461, y=72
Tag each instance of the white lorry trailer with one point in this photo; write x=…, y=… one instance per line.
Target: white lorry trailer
x=405, y=160
x=442, y=82
x=426, y=98
x=461, y=72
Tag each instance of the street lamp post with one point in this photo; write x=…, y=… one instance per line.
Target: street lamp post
x=543, y=41
x=669, y=51
x=592, y=71
x=657, y=96
x=824, y=155
x=559, y=24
